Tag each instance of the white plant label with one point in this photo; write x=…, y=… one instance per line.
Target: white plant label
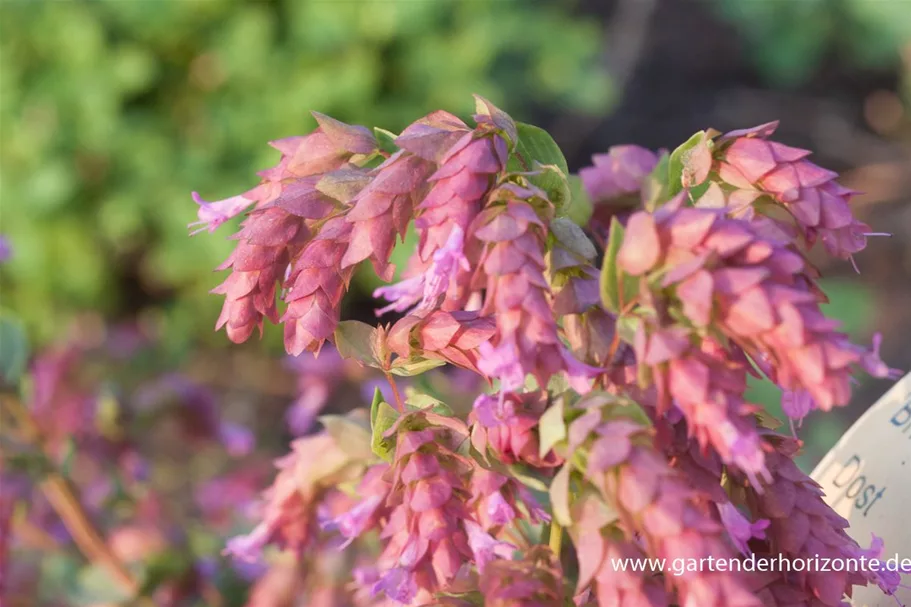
x=867, y=480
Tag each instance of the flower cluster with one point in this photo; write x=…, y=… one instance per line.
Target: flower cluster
x=619, y=390
x=750, y=167
x=724, y=274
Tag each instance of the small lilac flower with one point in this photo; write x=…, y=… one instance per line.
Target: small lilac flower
x=873, y=364
x=484, y=547
x=796, y=404
x=403, y=295
x=398, y=584
x=432, y=283
x=351, y=524
x=739, y=527
x=213, y=214
x=502, y=362
x=491, y=412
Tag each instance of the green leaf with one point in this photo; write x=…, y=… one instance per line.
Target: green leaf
x=386, y=140
x=689, y=164
x=14, y=347
x=559, y=496
x=375, y=406
x=419, y=400
x=527, y=478
x=358, y=340
x=627, y=325
x=406, y=367
x=612, y=277
x=572, y=238
x=655, y=187
x=536, y=145
x=384, y=419
x=551, y=428
x=555, y=184
x=164, y=567
x=95, y=584
x=580, y=207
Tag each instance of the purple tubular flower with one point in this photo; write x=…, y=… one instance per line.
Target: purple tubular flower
x=213, y=214
x=365, y=514
x=427, y=288
x=238, y=440
x=499, y=500
x=739, y=527
x=484, y=547
x=796, y=404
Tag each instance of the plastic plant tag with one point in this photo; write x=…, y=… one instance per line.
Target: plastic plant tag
x=867, y=480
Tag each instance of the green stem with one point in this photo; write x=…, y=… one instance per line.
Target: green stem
x=556, y=538
x=399, y=403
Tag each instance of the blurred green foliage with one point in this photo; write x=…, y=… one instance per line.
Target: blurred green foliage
x=113, y=111
x=791, y=40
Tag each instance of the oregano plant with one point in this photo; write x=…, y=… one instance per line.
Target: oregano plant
x=593, y=444
x=613, y=424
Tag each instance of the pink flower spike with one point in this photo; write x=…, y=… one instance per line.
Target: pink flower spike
x=213, y=214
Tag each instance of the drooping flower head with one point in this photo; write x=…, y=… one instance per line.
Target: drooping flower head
x=755, y=289
x=752, y=169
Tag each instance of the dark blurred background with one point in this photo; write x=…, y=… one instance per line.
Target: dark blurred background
x=113, y=111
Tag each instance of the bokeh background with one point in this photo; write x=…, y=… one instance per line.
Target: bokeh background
x=113, y=111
